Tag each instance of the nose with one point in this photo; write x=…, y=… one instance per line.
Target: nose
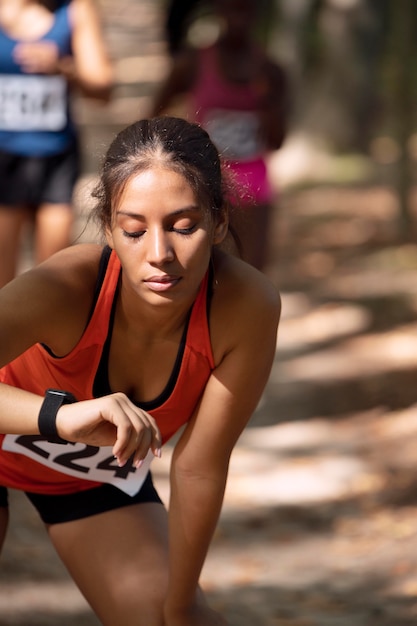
x=159, y=247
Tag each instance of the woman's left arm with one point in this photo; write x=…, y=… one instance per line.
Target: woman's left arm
x=201, y=457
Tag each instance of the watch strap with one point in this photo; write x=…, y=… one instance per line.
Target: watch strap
x=54, y=399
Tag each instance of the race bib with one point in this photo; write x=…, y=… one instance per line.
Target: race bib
x=81, y=461
x=235, y=133
x=32, y=103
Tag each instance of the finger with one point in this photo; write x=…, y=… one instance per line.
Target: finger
x=126, y=434
x=142, y=420
x=146, y=430
x=156, y=444
x=137, y=431
x=142, y=449
x=134, y=436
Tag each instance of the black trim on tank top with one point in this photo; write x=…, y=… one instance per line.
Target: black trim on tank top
x=101, y=386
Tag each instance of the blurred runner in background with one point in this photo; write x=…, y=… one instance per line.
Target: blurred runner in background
x=46, y=49
x=235, y=91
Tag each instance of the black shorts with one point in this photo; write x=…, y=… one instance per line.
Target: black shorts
x=69, y=507
x=32, y=181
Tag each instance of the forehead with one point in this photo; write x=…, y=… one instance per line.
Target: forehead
x=156, y=187
x=156, y=178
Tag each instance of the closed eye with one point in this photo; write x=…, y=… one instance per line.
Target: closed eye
x=185, y=231
x=134, y=235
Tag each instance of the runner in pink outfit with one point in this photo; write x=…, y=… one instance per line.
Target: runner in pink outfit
x=240, y=96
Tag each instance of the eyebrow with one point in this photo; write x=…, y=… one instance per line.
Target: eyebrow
x=188, y=209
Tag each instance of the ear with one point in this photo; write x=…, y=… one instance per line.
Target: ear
x=109, y=237
x=221, y=229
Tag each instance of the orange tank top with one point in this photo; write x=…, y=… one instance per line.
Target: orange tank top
x=34, y=468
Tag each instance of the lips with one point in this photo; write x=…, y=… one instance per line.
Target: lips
x=162, y=283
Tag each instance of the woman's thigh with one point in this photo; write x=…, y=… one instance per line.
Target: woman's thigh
x=119, y=560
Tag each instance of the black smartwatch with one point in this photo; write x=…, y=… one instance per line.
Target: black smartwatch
x=54, y=399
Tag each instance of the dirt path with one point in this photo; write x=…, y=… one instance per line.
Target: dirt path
x=319, y=523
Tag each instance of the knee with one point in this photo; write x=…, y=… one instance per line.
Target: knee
x=137, y=603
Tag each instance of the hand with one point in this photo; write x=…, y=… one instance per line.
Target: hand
x=111, y=421
x=38, y=57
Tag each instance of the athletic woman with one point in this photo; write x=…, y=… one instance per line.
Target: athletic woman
x=107, y=351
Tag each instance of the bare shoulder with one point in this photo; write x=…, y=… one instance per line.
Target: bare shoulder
x=49, y=303
x=68, y=273
x=73, y=265
x=246, y=304
x=240, y=283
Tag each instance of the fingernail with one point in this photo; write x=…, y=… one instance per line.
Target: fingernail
x=158, y=452
x=139, y=463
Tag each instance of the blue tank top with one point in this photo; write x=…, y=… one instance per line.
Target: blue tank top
x=35, y=115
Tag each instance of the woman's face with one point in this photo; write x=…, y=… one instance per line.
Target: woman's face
x=163, y=236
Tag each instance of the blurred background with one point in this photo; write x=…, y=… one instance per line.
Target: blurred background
x=319, y=526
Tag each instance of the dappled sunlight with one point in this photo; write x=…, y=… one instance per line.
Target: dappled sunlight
x=398, y=424
x=374, y=202
x=353, y=358
x=302, y=481
x=369, y=283
x=386, y=272
x=314, y=435
x=303, y=160
x=321, y=324
x=313, y=491
x=312, y=461
x=341, y=241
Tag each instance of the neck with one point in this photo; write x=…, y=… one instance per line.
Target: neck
x=147, y=322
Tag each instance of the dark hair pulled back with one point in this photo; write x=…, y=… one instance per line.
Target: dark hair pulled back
x=169, y=142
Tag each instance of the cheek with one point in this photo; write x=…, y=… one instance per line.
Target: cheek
x=205, y=242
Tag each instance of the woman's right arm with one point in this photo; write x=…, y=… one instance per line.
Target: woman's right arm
x=38, y=306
